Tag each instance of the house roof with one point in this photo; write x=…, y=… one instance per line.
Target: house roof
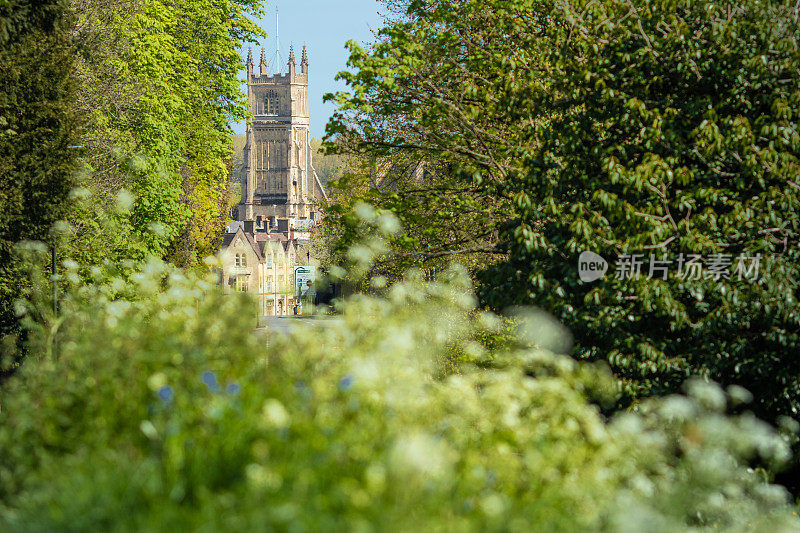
x=256, y=247
x=261, y=237
x=229, y=237
x=260, y=241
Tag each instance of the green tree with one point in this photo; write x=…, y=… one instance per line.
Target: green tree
x=158, y=83
x=422, y=117
x=188, y=53
x=670, y=129
x=37, y=133
x=616, y=127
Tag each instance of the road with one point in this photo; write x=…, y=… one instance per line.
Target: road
x=284, y=324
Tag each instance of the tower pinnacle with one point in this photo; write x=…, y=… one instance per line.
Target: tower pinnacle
x=263, y=65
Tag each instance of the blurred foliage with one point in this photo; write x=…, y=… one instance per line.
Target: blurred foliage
x=156, y=407
x=616, y=127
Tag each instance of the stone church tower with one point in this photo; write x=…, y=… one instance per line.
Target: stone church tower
x=279, y=177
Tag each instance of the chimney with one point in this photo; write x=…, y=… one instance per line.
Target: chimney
x=283, y=225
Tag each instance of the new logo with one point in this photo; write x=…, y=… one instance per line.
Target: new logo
x=591, y=267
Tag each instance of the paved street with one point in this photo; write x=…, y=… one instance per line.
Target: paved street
x=284, y=324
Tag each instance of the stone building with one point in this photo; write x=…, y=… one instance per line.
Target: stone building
x=279, y=177
x=261, y=263
x=280, y=191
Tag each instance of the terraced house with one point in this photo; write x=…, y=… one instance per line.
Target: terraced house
x=261, y=263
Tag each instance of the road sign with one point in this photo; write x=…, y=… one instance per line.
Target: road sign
x=304, y=277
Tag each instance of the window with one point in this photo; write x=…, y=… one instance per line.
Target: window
x=271, y=103
x=241, y=284
x=241, y=260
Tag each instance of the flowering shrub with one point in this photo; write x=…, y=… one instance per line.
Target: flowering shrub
x=166, y=412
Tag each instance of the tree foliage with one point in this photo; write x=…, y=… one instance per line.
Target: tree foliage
x=153, y=84
x=160, y=124
x=419, y=113
x=616, y=127
x=37, y=133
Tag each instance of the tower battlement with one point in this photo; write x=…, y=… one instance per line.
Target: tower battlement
x=270, y=78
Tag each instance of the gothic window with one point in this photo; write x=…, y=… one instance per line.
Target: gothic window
x=271, y=103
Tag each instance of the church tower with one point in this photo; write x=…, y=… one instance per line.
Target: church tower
x=279, y=177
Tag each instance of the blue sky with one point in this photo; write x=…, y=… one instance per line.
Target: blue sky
x=323, y=26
